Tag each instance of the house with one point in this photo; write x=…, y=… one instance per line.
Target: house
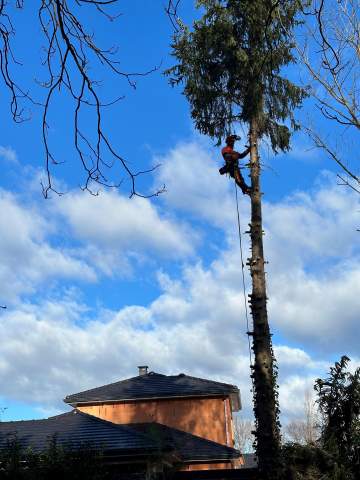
x=162, y=421
x=194, y=405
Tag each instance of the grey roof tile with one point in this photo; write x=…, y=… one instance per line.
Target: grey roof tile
x=188, y=446
x=75, y=428
x=152, y=385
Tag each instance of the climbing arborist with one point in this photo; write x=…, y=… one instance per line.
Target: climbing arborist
x=231, y=166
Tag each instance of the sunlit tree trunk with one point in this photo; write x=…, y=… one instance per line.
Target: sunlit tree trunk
x=267, y=431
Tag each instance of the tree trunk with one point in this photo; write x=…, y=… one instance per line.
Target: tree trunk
x=267, y=432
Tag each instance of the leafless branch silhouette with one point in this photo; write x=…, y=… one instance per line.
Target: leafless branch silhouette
x=70, y=53
x=331, y=55
x=172, y=12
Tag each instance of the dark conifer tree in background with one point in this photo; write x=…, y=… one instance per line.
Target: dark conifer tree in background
x=339, y=405
x=230, y=65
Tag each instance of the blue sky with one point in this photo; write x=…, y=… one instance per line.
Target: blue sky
x=98, y=285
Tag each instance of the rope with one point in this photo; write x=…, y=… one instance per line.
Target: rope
x=242, y=271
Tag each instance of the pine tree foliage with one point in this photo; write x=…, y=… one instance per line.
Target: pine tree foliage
x=230, y=64
x=339, y=403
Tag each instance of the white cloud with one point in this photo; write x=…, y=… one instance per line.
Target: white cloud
x=322, y=224
x=311, y=243
x=115, y=233
x=193, y=184
x=56, y=353
x=291, y=358
x=114, y=228
x=320, y=312
x=314, y=271
x=27, y=258
x=197, y=323
x=8, y=154
x=292, y=392
x=46, y=354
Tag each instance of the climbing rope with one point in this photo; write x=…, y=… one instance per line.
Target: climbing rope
x=242, y=271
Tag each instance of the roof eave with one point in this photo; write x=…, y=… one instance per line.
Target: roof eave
x=170, y=397
x=235, y=401
x=211, y=460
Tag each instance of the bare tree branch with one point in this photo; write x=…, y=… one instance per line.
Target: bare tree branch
x=347, y=183
x=331, y=55
x=172, y=12
x=70, y=55
x=243, y=434
x=320, y=143
x=305, y=430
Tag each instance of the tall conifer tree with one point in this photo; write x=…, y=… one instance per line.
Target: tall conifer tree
x=230, y=64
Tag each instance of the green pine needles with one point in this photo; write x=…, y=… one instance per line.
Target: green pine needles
x=230, y=65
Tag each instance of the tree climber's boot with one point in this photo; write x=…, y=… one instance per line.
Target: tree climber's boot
x=223, y=170
x=246, y=190
x=240, y=182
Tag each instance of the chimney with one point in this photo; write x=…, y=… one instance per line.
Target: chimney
x=143, y=370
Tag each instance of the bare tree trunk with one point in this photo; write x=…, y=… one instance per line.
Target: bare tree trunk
x=267, y=432
x=306, y=430
x=243, y=434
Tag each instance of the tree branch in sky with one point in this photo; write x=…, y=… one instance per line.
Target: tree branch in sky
x=172, y=13
x=71, y=54
x=331, y=54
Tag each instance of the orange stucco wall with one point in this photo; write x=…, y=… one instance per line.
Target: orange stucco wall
x=209, y=418
x=207, y=466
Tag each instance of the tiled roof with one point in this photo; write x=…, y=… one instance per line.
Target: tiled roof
x=187, y=446
x=153, y=385
x=75, y=428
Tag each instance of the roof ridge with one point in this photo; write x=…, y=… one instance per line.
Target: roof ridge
x=35, y=419
x=53, y=417
x=113, y=383
x=9, y=422
x=152, y=385
x=206, y=380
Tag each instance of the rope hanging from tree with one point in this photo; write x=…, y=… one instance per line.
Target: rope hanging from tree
x=242, y=272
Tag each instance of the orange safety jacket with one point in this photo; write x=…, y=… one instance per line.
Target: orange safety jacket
x=228, y=154
x=231, y=155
